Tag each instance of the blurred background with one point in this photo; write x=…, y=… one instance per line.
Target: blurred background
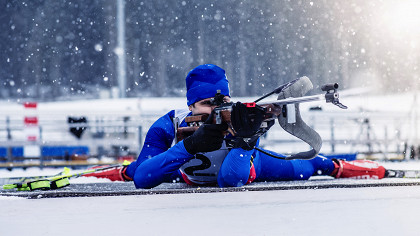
x=55, y=50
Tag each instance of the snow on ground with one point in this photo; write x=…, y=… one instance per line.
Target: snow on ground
x=360, y=211
x=352, y=211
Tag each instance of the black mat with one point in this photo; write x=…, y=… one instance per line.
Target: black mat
x=127, y=188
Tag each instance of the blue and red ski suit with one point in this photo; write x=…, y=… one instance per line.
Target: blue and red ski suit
x=161, y=160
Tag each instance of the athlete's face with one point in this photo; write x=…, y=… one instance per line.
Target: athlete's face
x=204, y=106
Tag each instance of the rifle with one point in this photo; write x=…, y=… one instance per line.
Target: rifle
x=285, y=110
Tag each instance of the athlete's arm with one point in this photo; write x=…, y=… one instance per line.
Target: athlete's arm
x=157, y=161
x=153, y=170
x=158, y=169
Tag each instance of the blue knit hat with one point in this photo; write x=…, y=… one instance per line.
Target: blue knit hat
x=204, y=81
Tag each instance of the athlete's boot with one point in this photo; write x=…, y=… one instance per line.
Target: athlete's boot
x=359, y=169
x=114, y=174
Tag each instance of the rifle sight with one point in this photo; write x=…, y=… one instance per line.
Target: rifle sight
x=328, y=87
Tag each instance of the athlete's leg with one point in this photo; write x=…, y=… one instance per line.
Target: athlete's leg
x=272, y=169
x=358, y=169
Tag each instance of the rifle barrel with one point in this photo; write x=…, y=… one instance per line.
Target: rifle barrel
x=295, y=100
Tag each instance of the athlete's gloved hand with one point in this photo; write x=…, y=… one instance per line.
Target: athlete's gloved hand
x=208, y=137
x=246, y=121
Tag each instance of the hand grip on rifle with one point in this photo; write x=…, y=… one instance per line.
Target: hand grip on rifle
x=207, y=138
x=246, y=122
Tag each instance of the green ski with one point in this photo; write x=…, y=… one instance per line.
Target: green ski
x=52, y=182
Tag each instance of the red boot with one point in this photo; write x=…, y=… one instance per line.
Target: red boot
x=113, y=174
x=359, y=169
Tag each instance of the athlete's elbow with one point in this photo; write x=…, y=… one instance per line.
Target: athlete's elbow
x=144, y=184
x=145, y=180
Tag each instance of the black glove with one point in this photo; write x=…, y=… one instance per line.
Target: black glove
x=208, y=137
x=246, y=121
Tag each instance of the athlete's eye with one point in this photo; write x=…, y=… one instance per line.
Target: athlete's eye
x=207, y=103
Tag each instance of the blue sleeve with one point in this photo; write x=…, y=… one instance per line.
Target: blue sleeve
x=235, y=168
x=158, y=141
x=154, y=171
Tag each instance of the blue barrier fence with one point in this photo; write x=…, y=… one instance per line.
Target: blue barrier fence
x=48, y=151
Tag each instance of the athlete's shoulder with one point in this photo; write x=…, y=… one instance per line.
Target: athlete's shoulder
x=177, y=113
x=165, y=124
x=179, y=116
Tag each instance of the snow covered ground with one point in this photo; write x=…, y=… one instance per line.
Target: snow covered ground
x=360, y=211
x=335, y=211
